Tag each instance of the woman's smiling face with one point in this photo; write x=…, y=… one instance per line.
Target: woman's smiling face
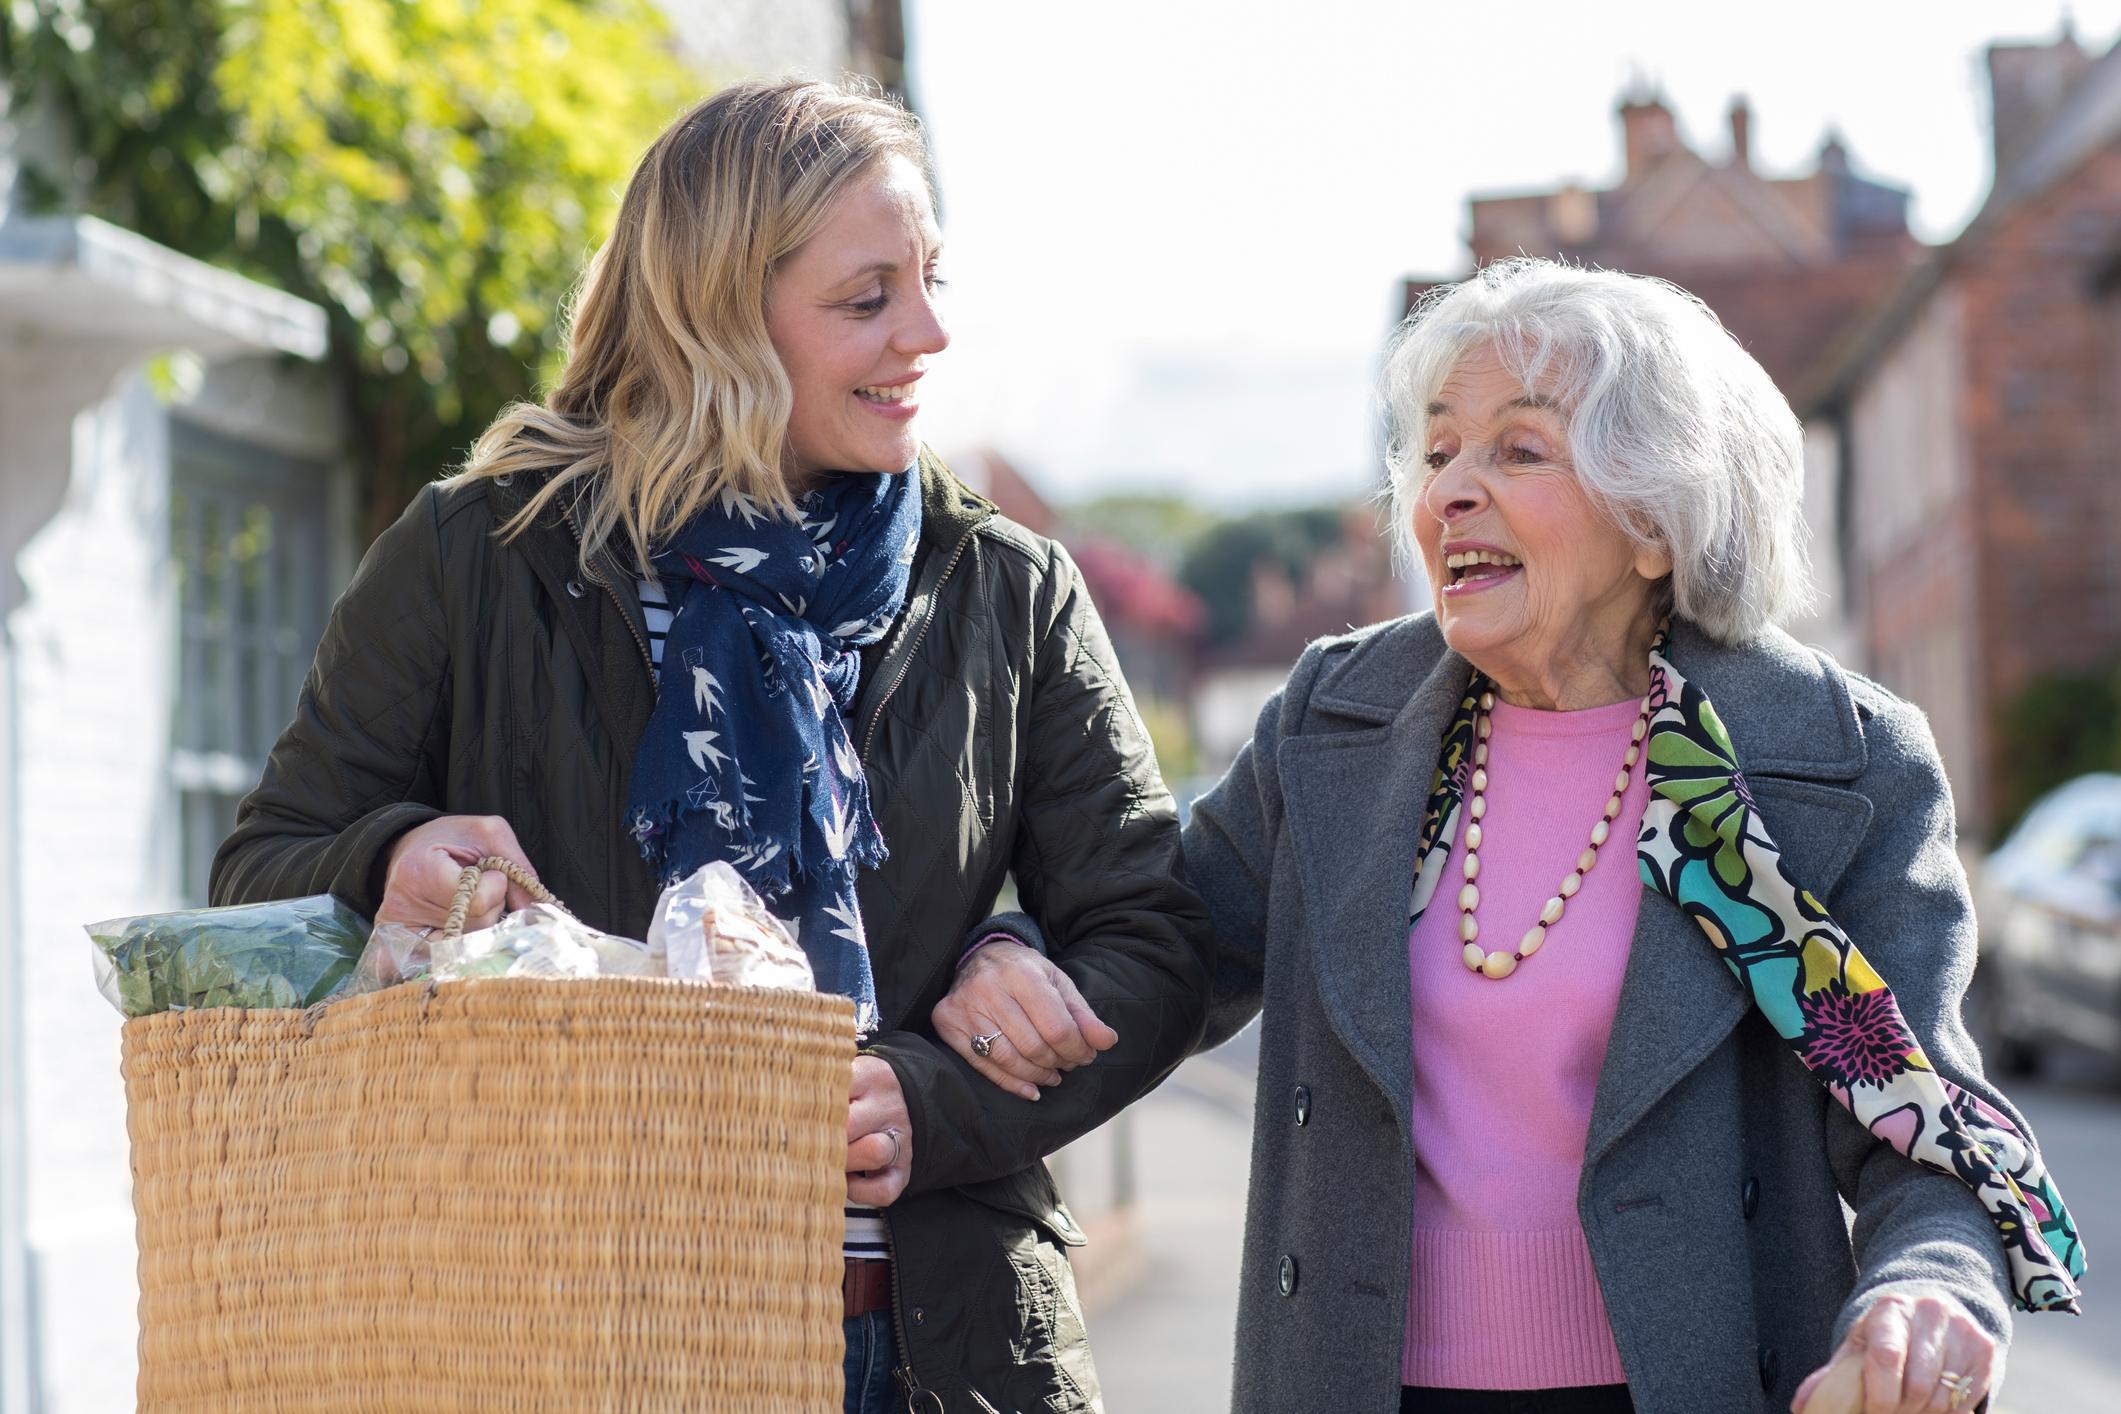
x=1530, y=576
x=852, y=315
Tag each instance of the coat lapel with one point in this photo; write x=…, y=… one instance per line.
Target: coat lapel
x=1354, y=801
x=1678, y=998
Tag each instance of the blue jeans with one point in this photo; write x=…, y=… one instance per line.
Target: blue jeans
x=872, y=1352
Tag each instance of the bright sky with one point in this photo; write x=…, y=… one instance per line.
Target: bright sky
x=1176, y=228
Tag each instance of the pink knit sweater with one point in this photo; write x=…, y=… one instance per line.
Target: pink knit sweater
x=1503, y=1295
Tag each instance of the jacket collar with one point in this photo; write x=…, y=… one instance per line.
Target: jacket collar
x=949, y=507
x=1396, y=689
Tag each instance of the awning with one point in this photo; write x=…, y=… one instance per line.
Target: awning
x=79, y=280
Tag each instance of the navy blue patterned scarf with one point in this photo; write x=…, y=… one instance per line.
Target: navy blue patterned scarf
x=748, y=757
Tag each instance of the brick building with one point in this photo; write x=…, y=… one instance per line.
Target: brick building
x=1786, y=262
x=1966, y=430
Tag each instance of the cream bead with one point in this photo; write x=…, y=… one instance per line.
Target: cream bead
x=1472, y=838
x=1479, y=807
x=1551, y=914
x=1472, y=866
x=1612, y=808
x=1601, y=832
x=1570, y=885
x=1620, y=781
x=1585, y=860
x=1532, y=940
x=1480, y=754
x=1474, y=956
x=1468, y=927
x=1498, y=966
x=1642, y=728
x=1480, y=778
x=1634, y=755
x=1487, y=702
x=1469, y=898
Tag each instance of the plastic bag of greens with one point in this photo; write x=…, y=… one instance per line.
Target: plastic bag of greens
x=290, y=953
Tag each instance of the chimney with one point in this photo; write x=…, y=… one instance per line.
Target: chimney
x=1648, y=134
x=2026, y=82
x=1741, y=133
x=1834, y=153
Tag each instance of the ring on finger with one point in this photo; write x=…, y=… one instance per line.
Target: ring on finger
x=891, y=1133
x=983, y=1046
x=1960, y=1387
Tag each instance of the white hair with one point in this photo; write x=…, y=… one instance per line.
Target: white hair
x=1676, y=432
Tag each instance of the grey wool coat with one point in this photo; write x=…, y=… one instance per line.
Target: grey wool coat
x=1716, y=1168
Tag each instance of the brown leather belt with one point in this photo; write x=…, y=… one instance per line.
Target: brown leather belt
x=867, y=1285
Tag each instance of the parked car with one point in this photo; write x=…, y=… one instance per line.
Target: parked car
x=2050, y=911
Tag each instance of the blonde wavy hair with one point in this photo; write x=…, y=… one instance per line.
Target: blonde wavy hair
x=672, y=395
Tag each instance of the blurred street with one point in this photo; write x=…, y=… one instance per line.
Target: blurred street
x=1164, y=1342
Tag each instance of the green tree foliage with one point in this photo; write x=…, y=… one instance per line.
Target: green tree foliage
x=1219, y=565
x=2063, y=726
x=1159, y=528
x=433, y=172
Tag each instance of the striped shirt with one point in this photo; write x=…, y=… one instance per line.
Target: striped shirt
x=865, y=1226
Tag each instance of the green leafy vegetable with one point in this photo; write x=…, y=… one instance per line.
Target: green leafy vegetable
x=292, y=953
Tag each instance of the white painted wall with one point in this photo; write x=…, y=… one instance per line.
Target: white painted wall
x=1832, y=623
x=94, y=648
x=731, y=39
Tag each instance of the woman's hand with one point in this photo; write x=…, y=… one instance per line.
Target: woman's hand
x=1035, y=1023
x=1908, y=1346
x=879, y=1135
x=426, y=862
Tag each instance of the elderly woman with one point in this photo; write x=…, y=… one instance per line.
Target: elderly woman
x=1681, y=970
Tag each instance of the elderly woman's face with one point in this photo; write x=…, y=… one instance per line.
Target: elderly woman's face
x=1528, y=575
x=852, y=315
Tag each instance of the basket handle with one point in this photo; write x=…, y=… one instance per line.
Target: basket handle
x=468, y=884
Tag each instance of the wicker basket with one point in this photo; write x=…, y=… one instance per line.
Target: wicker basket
x=508, y=1194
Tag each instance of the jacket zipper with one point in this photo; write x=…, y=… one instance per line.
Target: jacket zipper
x=647, y=658
x=913, y=646
x=907, y=1379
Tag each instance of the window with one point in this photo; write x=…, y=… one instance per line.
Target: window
x=247, y=540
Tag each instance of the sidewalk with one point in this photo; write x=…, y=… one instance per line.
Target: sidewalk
x=1163, y=1339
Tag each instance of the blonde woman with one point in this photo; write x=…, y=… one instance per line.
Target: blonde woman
x=711, y=600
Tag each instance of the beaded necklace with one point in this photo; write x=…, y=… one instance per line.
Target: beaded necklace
x=1499, y=964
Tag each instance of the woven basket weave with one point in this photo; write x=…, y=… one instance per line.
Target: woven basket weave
x=506, y=1194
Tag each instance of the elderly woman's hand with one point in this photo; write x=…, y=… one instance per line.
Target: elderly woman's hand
x=1920, y=1355
x=1019, y=1020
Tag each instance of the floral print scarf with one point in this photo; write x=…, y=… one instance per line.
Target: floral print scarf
x=1704, y=847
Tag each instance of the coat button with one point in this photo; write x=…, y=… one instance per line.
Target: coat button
x=920, y=1315
x=1770, y=1362
x=1749, y=1198
x=506, y=478
x=575, y=589
x=1288, y=1276
x=1303, y=1105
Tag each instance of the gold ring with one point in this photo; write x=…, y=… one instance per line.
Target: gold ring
x=1961, y=1387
